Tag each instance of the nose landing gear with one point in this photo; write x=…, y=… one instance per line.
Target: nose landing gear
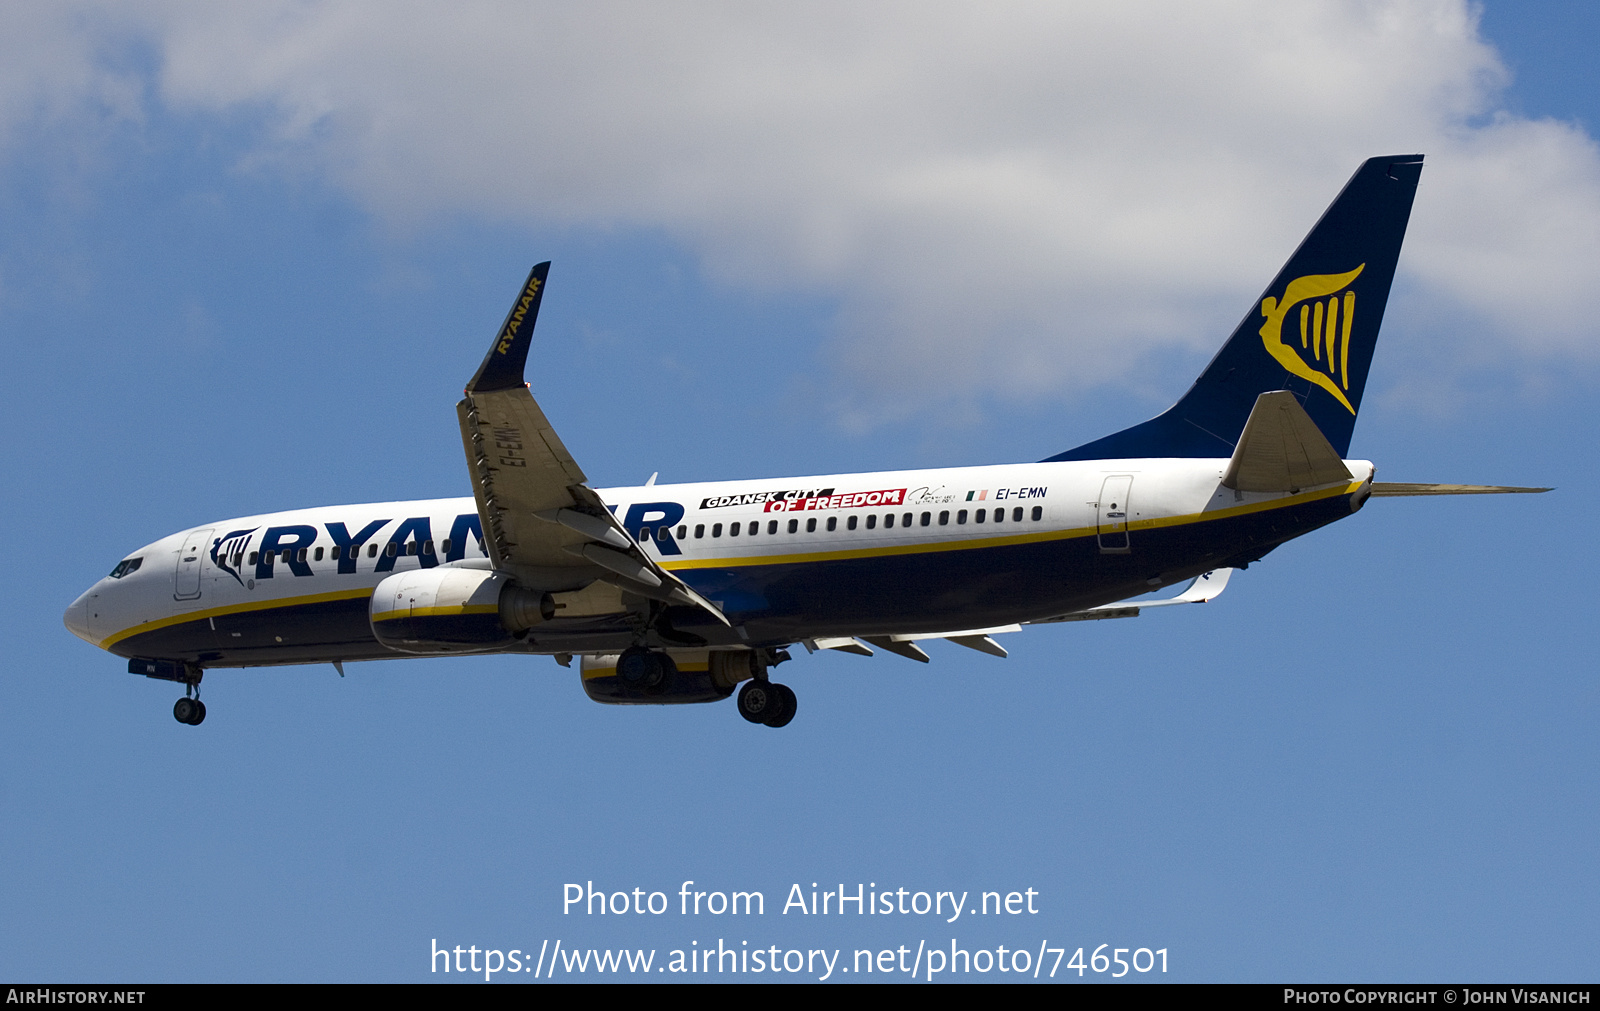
x=190, y=709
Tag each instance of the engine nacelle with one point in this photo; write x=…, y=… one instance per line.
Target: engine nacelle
x=454, y=610
x=691, y=676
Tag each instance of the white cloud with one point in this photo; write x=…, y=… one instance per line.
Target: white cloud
x=1006, y=199
x=54, y=67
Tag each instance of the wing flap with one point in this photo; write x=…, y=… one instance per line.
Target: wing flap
x=841, y=643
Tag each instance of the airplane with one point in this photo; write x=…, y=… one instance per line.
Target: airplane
x=686, y=593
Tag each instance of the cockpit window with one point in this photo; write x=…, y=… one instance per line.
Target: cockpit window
x=126, y=566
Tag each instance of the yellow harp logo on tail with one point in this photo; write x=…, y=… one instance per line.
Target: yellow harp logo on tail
x=1326, y=317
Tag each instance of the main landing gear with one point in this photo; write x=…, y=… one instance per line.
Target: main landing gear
x=767, y=702
x=763, y=701
x=654, y=675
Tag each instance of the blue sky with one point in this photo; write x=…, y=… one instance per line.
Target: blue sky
x=233, y=280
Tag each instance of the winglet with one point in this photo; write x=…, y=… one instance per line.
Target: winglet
x=502, y=367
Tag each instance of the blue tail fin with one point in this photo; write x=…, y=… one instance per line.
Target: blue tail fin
x=1312, y=332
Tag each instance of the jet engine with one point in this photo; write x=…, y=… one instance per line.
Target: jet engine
x=654, y=678
x=454, y=610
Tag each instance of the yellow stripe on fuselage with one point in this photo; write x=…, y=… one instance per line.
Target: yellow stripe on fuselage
x=883, y=551
x=217, y=612
x=967, y=544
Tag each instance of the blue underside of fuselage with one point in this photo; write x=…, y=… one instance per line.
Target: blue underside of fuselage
x=934, y=591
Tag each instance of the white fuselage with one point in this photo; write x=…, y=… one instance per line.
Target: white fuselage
x=948, y=541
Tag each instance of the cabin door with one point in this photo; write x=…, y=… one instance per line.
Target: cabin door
x=186, y=581
x=1112, y=510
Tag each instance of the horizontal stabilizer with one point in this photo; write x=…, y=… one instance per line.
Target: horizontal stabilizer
x=1282, y=450
x=1395, y=489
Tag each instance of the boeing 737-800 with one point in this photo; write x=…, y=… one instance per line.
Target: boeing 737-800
x=683, y=593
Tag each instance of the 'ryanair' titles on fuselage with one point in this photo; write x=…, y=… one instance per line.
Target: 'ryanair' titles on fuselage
x=232, y=552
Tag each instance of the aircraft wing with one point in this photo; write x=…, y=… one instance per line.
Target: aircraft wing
x=1206, y=586
x=906, y=645
x=541, y=522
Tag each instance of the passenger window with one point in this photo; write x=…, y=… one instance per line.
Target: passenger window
x=302, y=554
x=888, y=521
x=999, y=515
x=794, y=525
x=979, y=517
x=772, y=526
x=411, y=547
x=733, y=529
x=872, y=521
x=927, y=518
x=1038, y=513
x=644, y=534
x=905, y=520
x=833, y=523
x=850, y=524
x=427, y=547
x=716, y=530
x=319, y=554
x=444, y=546
x=811, y=525
x=683, y=531
x=944, y=517
x=961, y=517
x=288, y=554
x=253, y=557
x=1016, y=515
x=391, y=549
x=699, y=530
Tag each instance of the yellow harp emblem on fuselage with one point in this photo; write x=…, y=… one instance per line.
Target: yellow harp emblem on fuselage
x=1324, y=328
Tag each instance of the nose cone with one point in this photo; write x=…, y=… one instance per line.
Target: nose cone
x=78, y=617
